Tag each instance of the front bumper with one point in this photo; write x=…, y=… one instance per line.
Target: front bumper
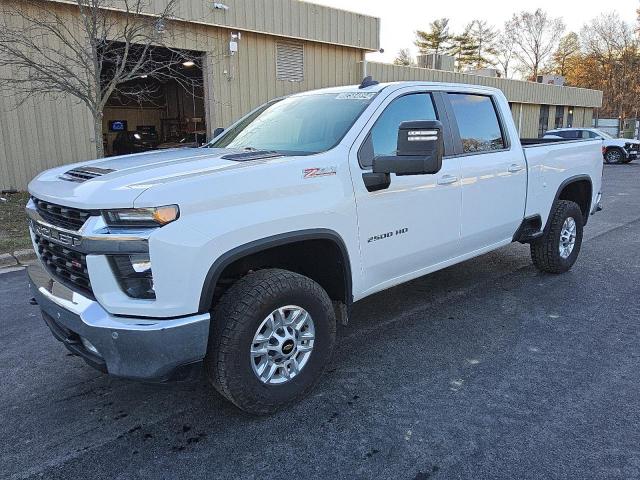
x=138, y=348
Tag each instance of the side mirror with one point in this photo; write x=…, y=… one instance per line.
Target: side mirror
x=217, y=131
x=420, y=150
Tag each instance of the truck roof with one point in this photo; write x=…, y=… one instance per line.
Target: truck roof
x=402, y=84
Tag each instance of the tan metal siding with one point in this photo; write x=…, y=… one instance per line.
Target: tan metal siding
x=37, y=134
x=250, y=78
x=286, y=18
x=515, y=90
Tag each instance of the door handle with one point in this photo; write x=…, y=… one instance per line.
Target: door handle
x=447, y=180
x=515, y=167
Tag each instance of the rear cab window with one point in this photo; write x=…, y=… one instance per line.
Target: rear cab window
x=478, y=123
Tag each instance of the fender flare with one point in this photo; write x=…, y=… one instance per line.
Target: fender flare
x=226, y=259
x=563, y=185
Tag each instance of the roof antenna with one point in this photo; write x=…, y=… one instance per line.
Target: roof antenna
x=368, y=81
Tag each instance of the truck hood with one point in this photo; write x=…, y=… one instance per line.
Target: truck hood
x=118, y=181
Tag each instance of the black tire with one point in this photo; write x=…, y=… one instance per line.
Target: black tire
x=545, y=251
x=614, y=155
x=235, y=321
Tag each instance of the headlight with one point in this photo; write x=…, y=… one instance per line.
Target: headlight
x=134, y=275
x=141, y=217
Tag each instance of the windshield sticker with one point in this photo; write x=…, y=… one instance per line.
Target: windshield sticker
x=318, y=172
x=356, y=96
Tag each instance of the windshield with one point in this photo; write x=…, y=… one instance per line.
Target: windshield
x=604, y=134
x=300, y=125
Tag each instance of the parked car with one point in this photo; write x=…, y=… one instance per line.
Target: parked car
x=245, y=254
x=134, y=142
x=190, y=140
x=614, y=150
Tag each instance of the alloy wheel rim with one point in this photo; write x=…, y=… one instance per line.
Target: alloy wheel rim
x=567, y=237
x=282, y=345
x=614, y=156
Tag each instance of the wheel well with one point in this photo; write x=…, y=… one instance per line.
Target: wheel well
x=323, y=260
x=578, y=191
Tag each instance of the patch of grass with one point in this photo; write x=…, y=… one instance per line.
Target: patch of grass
x=14, y=232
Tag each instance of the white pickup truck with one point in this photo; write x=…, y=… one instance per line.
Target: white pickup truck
x=245, y=254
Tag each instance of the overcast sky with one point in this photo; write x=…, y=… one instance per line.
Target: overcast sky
x=400, y=18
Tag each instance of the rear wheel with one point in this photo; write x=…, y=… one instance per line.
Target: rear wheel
x=272, y=336
x=614, y=155
x=557, y=250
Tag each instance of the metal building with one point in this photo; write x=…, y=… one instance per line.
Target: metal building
x=283, y=46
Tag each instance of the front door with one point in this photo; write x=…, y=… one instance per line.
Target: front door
x=415, y=223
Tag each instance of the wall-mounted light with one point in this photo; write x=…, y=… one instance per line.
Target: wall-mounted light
x=188, y=63
x=144, y=76
x=233, y=43
x=220, y=6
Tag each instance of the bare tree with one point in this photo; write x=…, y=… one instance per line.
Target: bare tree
x=505, y=48
x=615, y=49
x=89, y=50
x=536, y=35
x=404, y=58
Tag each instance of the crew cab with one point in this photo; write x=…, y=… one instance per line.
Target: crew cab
x=614, y=150
x=244, y=255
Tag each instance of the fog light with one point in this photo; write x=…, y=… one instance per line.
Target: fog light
x=134, y=275
x=89, y=346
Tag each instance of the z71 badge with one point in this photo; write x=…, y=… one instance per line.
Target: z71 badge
x=318, y=172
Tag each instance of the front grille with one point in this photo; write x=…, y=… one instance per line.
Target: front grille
x=68, y=266
x=64, y=217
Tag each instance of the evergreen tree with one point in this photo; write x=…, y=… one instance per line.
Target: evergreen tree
x=436, y=39
x=404, y=58
x=464, y=49
x=485, y=37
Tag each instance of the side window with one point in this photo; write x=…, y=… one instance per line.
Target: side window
x=383, y=137
x=559, y=118
x=591, y=134
x=477, y=122
x=543, y=120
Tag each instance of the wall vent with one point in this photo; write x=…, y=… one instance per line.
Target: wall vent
x=290, y=62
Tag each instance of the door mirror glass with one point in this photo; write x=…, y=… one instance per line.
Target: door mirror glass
x=217, y=131
x=419, y=150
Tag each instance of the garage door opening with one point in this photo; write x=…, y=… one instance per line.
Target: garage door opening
x=161, y=108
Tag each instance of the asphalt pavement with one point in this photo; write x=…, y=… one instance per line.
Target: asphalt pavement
x=488, y=369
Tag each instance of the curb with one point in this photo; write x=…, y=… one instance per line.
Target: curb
x=24, y=256
x=7, y=260
x=19, y=258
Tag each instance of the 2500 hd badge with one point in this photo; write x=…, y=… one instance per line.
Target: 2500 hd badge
x=382, y=236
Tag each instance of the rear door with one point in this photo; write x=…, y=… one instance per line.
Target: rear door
x=494, y=173
x=414, y=223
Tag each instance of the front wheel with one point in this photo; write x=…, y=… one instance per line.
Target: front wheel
x=557, y=250
x=613, y=155
x=271, y=338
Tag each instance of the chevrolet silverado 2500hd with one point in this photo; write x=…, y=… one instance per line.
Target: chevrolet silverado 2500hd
x=244, y=254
